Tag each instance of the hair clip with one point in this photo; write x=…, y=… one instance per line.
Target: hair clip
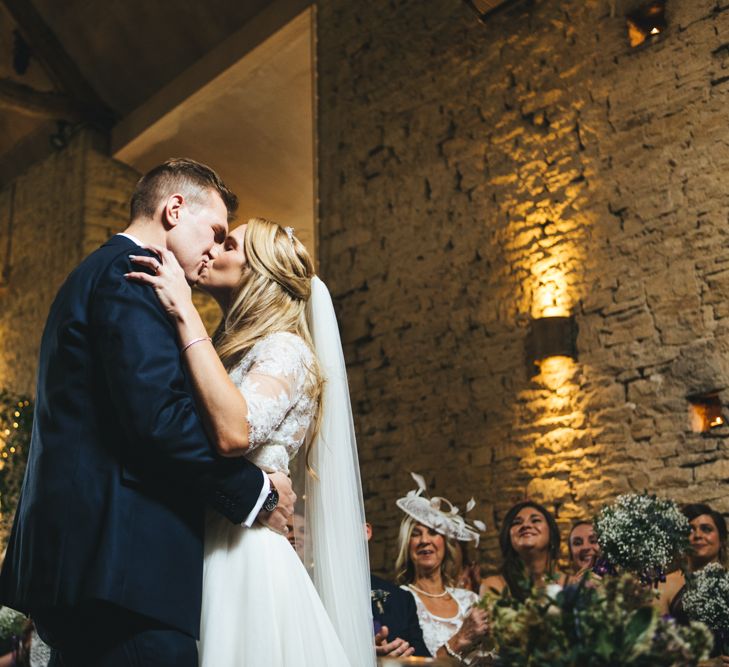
x=290, y=232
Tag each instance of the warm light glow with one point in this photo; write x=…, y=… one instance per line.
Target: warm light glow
x=705, y=413
x=555, y=372
x=655, y=31
x=550, y=299
x=553, y=290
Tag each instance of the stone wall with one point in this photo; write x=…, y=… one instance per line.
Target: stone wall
x=50, y=218
x=475, y=176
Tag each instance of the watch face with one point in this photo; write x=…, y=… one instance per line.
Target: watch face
x=271, y=501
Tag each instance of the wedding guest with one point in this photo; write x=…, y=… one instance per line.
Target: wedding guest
x=297, y=533
x=469, y=571
x=583, y=546
x=426, y=567
x=397, y=629
x=529, y=541
x=708, y=539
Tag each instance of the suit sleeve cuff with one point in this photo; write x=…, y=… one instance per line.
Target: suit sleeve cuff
x=259, y=503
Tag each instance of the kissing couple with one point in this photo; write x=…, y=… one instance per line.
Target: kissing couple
x=156, y=497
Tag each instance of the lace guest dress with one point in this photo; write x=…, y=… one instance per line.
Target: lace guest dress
x=436, y=629
x=259, y=605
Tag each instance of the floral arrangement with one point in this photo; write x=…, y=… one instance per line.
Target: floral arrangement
x=11, y=623
x=16, y=421
x=641, y=534
x=707, y=600
x=601, y=624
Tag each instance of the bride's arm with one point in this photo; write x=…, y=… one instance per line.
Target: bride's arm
x=222, y=407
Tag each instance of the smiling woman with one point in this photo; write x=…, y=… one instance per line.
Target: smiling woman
x=708, y=538
x=426, y=566
x=529, y=542
x=583, y=546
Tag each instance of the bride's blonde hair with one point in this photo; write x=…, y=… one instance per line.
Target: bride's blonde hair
x=271, y=297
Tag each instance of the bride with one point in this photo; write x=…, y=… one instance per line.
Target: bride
x=275, y=383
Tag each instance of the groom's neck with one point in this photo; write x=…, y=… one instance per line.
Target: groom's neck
x=147, y=231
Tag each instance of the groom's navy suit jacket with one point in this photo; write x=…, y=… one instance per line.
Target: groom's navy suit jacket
x=396, y=608
x=119, y=469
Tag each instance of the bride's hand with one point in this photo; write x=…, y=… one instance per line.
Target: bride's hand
x=168, y=280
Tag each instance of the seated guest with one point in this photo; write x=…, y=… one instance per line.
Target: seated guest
x=469, y=571
x=426, y=567
x=395, y=616
x=583, y=546
x=529, y=541
x=708, y=539
x=296, y=534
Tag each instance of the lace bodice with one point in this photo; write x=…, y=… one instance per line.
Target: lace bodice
x=40, y=653
x=276, y=382
x=437, y=630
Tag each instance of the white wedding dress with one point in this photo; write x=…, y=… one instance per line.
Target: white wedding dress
x=259, y=605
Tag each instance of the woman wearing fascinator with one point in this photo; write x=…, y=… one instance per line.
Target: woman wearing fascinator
x=274, y=382
x=426, y=567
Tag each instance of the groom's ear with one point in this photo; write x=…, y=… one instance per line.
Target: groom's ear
x=172, y=211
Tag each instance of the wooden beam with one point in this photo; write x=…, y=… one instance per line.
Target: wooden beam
x=254, y=32
x=60, y=67
x=22, y=99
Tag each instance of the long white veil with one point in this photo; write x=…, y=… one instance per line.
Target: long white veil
x=336, y=545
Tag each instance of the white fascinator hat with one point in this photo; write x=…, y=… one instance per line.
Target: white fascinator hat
x=440, y=514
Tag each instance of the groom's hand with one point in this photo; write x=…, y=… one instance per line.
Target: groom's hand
x=280, y=518
x=396, y=648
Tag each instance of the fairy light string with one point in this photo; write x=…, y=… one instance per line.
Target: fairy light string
x=16, y=422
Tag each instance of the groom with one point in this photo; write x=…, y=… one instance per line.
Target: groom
x=106, y=551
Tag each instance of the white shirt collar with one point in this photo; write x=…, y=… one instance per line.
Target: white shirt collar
x=131, y=238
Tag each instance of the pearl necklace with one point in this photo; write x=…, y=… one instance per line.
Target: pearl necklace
x=430, y=595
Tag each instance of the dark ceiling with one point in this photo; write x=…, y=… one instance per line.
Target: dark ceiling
x=95, y=56
x=128, y=49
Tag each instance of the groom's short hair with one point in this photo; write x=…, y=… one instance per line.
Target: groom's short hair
x=188, y=177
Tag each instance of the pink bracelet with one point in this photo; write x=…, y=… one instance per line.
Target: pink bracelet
x=195, y=340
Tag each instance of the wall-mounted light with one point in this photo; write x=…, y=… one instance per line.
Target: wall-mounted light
x=550, y=337
x=706, y=411
x=646, y=22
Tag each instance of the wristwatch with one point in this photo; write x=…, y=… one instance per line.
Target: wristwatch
x=271, y=500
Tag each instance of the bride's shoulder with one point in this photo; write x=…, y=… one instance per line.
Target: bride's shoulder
x=284, y=347
x=283, y=340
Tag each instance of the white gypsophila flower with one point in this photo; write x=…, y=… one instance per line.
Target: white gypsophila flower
x=641, y=533
x=707, y=597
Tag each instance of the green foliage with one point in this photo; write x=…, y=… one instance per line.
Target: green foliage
x=12, y=623
x=602, y=624
x=16, y=422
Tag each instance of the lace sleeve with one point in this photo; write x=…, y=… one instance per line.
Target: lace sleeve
x=273, y=384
